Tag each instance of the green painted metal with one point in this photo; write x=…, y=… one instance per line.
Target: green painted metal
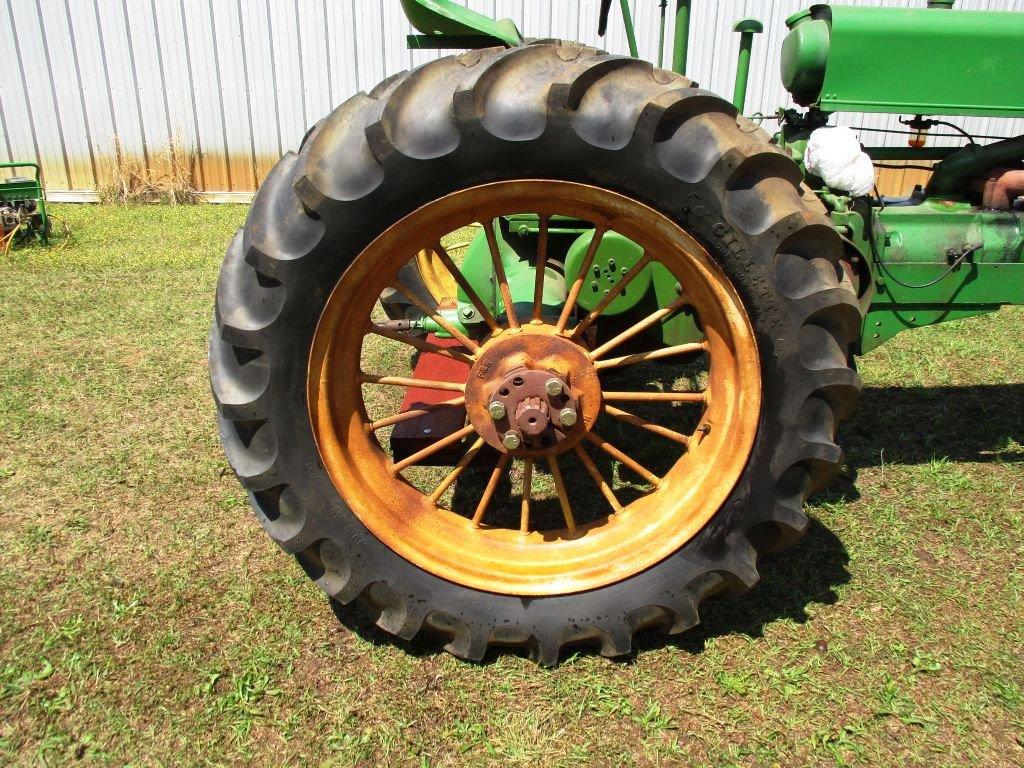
x=917, y=278
x=627, y=22
x=883, y=322
x=681, y=41
x=805, y=56
x=884, y=60
x=661, y=33
x=438, y=19
x=478, y=268
x=15, y=189
x=747, y=28
x=682, y=327
x=615, y=256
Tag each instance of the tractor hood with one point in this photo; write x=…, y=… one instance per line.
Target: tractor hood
x=915, y=61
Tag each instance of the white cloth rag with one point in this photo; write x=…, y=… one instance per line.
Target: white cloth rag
x=835, y=155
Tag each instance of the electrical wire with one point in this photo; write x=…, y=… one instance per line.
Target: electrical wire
x=950, y=270
x=67, y=231
x=8, y=239
x=896, y=167
x=954, y=265
x=922, y=128
x=962, y=133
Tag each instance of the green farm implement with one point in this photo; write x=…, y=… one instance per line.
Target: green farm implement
x=539, y=346
x=22, y=207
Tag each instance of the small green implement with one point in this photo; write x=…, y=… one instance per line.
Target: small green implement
x=22, y=207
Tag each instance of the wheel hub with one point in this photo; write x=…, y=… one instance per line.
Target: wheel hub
x=533, y=392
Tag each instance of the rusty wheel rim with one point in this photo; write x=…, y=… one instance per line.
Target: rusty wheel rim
x=460, y=545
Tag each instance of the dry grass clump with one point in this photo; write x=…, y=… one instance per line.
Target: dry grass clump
x=168, y=178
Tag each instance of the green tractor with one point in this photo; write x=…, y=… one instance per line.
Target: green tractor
x=538, y=346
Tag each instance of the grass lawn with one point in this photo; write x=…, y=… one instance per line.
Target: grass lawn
x=147, y=619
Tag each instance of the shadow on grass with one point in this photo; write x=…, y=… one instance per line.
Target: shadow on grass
x=892, y=425
x=361, y=619
x=806, y=574
x=914, y=425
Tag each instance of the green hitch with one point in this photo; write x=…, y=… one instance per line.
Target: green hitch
x=747, y=28
x=681, y=42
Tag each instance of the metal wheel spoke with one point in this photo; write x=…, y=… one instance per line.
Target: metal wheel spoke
x=420, y=344
x=613, y=294
x=524, y=507
x=492, y=485
x=431, y=449
x=404, y=381
x=650, y=426
x=655, y=397
x=638, y=327
x=563, y=497
x=499, y=274
x=415, y=413
x=577, y=285
x=452, y=476
x=460, y=278
x=654, y=354
x=436, y=316
x=595, y=473
x=542, y=260
x=622, y=458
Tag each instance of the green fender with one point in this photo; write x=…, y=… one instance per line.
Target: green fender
x=444, y=18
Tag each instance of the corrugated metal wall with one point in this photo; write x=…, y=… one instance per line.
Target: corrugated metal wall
x=234, y=83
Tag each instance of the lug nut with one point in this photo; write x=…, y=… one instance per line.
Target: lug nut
x=567, y=417
x=553, y=387
x=511, y=440
x=496, y=409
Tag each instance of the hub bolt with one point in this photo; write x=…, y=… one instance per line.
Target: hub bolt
x=553, y=387
x=567, y=417
x=512, y=440
x=496, y=409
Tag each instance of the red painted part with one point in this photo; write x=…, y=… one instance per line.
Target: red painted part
x=407, y=437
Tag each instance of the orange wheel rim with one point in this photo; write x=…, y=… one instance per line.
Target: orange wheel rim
x=461, y=545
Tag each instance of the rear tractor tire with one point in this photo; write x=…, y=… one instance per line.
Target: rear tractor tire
x=678, y=466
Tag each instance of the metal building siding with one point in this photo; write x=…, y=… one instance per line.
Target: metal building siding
x=235, y=83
